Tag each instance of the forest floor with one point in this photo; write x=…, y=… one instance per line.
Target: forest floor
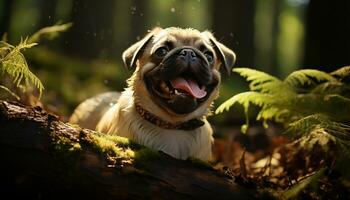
x=271, y=163
x=279, y=165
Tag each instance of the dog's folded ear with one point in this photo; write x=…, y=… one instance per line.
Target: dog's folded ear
x=133, y=53
x=225, y=55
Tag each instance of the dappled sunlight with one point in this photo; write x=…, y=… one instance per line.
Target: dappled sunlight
x=267, y=82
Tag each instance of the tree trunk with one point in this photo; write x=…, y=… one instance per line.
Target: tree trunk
x=5, y=16
x=234, y=27
x=44, y=158
x=92, y=33
x=327, y=39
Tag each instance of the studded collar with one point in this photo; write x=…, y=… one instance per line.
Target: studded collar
x=188, y=125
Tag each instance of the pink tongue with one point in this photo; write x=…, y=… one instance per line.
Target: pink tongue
x=189, y=86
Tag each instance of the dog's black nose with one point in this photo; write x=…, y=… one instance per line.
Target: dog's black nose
x=188, y=54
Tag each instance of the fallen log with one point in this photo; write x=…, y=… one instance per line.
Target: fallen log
x=44, y=158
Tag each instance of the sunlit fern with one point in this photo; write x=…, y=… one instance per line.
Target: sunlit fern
x=284, y=101
x=307, y=76
x=14, y=64
x=337, y=132
x=309, y=103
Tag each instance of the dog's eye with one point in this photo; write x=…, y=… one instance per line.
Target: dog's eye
x=209, y=55
x=161, y=52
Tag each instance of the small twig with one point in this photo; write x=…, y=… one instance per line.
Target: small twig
x=305, y=177
x=243, y=166
x=289, y=182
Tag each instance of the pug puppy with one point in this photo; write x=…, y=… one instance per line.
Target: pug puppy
x=169, y=95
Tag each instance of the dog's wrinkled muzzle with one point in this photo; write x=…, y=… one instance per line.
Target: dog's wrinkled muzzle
x=184, y=61
x=183, y=79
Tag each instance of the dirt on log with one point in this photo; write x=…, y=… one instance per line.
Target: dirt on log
x=44, y=158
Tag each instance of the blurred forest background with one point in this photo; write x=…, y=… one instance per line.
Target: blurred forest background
x=275, y=36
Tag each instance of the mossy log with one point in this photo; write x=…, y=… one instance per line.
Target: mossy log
x=42, y=157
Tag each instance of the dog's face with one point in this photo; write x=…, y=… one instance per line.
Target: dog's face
x=177, y=71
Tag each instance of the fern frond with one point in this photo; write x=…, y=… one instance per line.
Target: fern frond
x=247, y=98
x=319, y=115
x=328, y=88
x=339, y=131
x=25, y=44
x=306, y=124
x=4, y=44
x=336, y=106
x=307, y=77
x=280, y=102
x=14, y=64
x=275, y=113
x=50, y=32
x=322, y=130
x=342, y=72
x=259, y=81
x=244, y=99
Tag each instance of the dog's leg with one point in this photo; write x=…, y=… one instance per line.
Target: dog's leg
x=89, y=113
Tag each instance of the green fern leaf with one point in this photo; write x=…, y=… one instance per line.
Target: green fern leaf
x=275, y=113
x=307, y=76
x=328, y=88
x=244, y=99
x=50, y=32
x=260, y=81
x=336, y=106
x=342, y=72
x=319, y=115
x=14, y=64
x=306, y=124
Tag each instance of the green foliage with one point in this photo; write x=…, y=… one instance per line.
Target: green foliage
x=14, y=64
x=259, y=81
x=342, y=73
x=50, y=32
x=307, y=76
x=311, y=104
x=302, y=93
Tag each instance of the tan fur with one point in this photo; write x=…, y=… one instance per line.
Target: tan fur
x=122, y=119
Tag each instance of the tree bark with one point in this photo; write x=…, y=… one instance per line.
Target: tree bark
x=44, y=158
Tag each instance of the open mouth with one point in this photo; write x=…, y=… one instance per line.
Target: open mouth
x=181, y=86
x=181, y=94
